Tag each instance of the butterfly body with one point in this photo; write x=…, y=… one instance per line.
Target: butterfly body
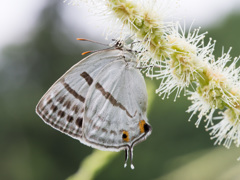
x=101, y=101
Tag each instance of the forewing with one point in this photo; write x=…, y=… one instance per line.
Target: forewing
x=115, y=107
x=63, y=104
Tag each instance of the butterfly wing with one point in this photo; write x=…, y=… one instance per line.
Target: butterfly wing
x=63, y=104
x=115, y=108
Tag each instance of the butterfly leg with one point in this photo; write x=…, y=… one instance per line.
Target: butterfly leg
x=150, y=66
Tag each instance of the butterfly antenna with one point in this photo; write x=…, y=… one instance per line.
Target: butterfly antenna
x=126, y=158
x=86, y=52
x=82, y=39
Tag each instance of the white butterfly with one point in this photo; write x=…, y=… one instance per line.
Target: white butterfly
x=101, y=101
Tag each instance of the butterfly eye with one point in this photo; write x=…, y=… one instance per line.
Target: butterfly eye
x=125, y=136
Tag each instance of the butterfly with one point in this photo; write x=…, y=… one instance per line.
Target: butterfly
x=100, y=101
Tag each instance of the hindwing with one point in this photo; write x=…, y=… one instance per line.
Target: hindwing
x=115, y=108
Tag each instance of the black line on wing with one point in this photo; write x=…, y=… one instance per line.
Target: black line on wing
x=87, y=77
x=73, y=92
x=112, y=100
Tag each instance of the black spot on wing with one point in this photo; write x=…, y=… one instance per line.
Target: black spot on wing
x=79, y=122
x=73, y=92
x=112, y=100
x=87, y=77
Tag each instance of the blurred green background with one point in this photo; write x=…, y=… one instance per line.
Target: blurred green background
x=32, y=150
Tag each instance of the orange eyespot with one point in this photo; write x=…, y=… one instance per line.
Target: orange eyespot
x=141, y=126
x=125, y=136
